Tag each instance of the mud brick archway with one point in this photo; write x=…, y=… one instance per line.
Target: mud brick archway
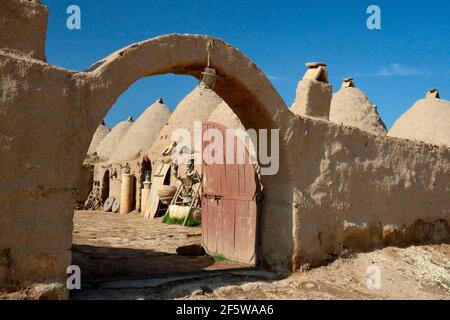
x=42, y=161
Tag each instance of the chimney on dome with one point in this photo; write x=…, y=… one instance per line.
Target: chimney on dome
x=347, y=83
x=314, y=93
x=433, y=93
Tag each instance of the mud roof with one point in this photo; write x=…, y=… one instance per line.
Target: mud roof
x=198, y=105
x=101, y=132
x=428, y=120
x=141, y=136
x=112, y=140
x=351, y=107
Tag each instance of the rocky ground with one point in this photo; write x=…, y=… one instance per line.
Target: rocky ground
x=127, y=257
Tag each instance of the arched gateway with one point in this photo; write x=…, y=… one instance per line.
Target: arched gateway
x=239, y=82
x=57, y=124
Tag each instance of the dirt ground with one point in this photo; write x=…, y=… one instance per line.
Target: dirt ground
x=111, y=246
x=128, y=257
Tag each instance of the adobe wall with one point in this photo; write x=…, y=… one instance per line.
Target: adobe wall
x=359, y=191
x=23, y=27
x=43, y=141
x=115, y=182
x=84, y=184
x=49, y=116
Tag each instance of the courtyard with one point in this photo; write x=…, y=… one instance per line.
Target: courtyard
x=129, y=257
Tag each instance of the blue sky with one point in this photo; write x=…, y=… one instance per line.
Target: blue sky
x=394, y=66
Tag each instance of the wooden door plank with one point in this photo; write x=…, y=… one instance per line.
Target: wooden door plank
x=228, y=229
x=245, y=232
x=229, y=224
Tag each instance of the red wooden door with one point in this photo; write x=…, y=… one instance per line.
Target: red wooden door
x=229, y=208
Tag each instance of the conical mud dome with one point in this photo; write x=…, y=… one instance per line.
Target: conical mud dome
x=101, y=132
x=196, y=106
x=351, y=107
x=112, y=140
x=428, y=120
x=224, y=115
x=142, y=135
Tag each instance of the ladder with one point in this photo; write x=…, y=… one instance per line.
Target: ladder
x=94, y=200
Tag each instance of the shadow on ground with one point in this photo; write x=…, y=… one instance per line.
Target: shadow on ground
x=129, y=273
x=106, y=263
